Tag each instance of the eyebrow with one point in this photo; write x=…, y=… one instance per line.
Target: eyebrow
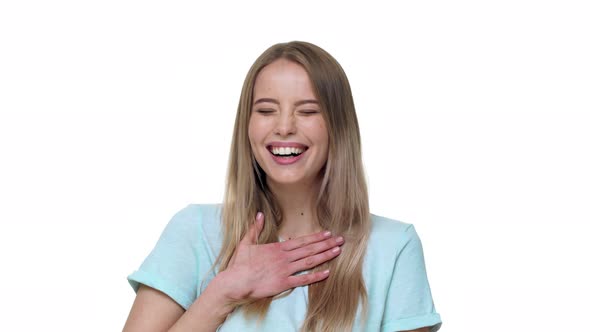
x=274, y=101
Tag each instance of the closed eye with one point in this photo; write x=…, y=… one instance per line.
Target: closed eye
x=265, y=110
x=309, y=112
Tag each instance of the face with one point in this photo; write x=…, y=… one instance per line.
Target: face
x=287, y=131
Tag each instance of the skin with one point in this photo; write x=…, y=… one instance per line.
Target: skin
x=255, y=271
x=258, y=271
x=285, y=109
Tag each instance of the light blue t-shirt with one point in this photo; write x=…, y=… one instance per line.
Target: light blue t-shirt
x=394, y=273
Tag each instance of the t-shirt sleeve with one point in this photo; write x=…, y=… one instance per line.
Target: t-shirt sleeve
x=409, y=301
x=172, y=266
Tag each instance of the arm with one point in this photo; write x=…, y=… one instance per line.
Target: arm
x=152, y=310
x=409, y=301
x=206, y=313
x=255, y=272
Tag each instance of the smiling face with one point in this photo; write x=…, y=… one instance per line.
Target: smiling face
x=287, y=131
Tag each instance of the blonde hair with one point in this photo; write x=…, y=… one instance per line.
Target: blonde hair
x=342, y=204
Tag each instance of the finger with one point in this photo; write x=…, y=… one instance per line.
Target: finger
x=306, y=279
x=313, y=261
x=254, y=231
x=315, y=248
x=305, y=240
x=258, y=225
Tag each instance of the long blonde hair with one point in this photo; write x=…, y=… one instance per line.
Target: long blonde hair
x=342, y=204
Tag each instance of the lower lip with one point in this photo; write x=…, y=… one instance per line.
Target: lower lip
x=286, y=160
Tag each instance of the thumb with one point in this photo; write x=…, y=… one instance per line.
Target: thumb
x=255, y=229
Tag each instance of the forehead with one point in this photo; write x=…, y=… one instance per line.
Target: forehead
x=283, y=78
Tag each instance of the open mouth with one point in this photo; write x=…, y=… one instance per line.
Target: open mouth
x=286, y=152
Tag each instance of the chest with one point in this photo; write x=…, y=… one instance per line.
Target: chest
x=285, y=314
x=288, y=313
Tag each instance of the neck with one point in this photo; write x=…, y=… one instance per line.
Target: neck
x=297, y=202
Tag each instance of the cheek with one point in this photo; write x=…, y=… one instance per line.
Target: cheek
x=252, y=139
x=326, y=140
x=250, y=132
x=258, y=128
x=322, y=134
x=253, y=132
x=256, y=136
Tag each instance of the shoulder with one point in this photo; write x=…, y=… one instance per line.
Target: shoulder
x=389, y=238
x=390, y=233
x=194, y=214
x=183, y=255
x=196, y=220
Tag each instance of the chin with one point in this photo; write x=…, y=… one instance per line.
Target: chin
x=286, y=179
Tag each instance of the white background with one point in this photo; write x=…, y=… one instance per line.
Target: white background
x=474, y=117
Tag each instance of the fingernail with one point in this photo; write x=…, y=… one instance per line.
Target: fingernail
x=258, y=215
x=335, y=250
x=327, y=271
x=328, y=233
x=340, y=239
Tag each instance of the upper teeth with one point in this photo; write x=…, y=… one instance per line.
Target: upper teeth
x=286, y=150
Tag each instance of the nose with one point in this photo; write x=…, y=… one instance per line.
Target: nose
x=285, y=124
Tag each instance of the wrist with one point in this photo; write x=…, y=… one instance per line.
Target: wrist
x=218, y=295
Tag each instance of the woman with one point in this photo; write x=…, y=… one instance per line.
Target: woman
x=293, y=247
